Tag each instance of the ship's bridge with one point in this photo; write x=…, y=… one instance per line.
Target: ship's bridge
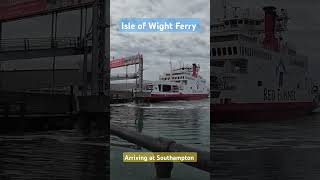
x=247, y=21
x=252, y=26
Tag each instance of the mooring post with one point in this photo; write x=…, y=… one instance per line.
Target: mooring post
x=163, y=169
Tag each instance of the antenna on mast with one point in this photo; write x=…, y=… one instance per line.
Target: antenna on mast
x=225, y=9
x=170, y=69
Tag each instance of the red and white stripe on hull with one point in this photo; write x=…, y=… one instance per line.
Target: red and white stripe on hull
x=174, y=97
x=259, y=111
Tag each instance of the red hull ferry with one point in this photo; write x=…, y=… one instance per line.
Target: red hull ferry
x=183, y=83
x=255, y=73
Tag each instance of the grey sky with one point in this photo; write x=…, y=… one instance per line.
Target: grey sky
x=304, y=26
x=304, y=31
x=157, y=47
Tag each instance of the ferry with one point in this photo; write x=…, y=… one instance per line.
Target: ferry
x=183, y=83
x=255, y=73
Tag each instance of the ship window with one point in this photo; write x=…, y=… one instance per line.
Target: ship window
x=240, y=21
x=234, y=23
x=175, y=89
x=149, y=87
x=227, y=22
x=214, y=52
x=219, y=51
x=166, y=88
x=159, y=87
x=224, y=51
x=229, y=51
x=259, y=83
x=245, y=21
x=225, y=38
x=235, y=50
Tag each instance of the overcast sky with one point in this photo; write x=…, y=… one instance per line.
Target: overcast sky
x=157, y=47
x=303, y=26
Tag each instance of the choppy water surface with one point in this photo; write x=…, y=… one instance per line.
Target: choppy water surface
x=287, y=149
x=53, y=155
x=186, y=122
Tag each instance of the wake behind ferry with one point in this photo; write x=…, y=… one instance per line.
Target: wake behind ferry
x=255, y=73
x=182, y=83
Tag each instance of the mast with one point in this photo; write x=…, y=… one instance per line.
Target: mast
x=170, y=69
x=225, y=9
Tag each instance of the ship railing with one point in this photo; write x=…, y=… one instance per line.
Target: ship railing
x=162, y=145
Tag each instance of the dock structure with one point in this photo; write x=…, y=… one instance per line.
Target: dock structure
x=163, y=170
x=121, y=96
x=87, y=92
x=127, y=92
x=29, y=48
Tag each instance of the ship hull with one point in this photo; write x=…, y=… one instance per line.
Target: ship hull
x=174, y=97
x=259, y=111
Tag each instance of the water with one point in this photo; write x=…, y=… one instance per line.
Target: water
x=267, y=150
x=64, y=154
x=186, y=122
